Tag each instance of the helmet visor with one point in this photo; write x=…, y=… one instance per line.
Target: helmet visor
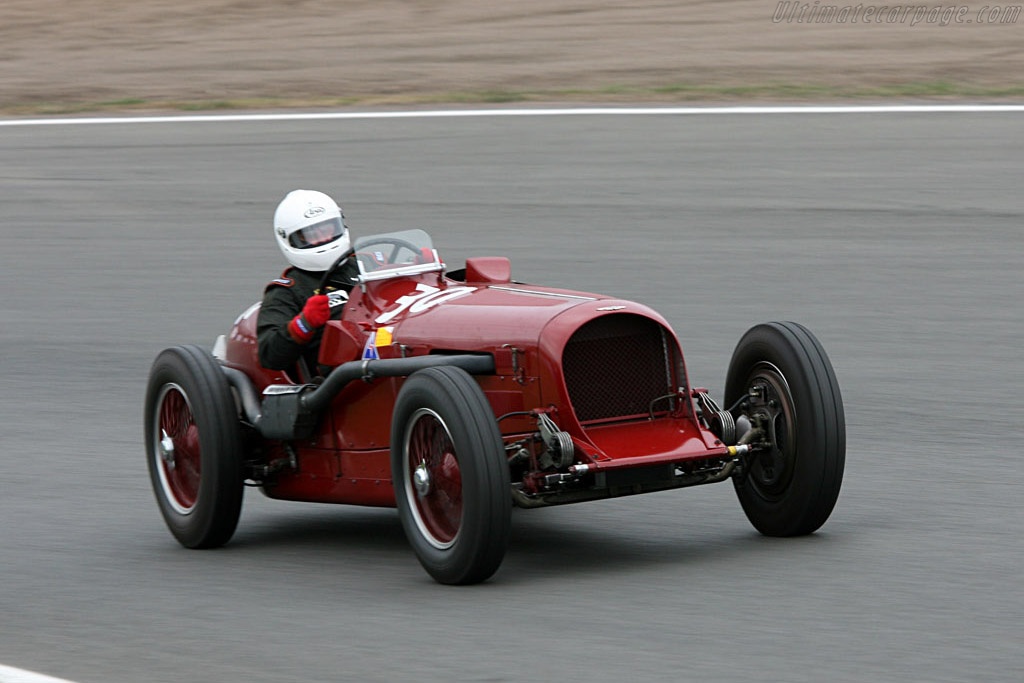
x=317, y=234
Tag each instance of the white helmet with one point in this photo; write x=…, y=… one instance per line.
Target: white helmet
x=310, y=229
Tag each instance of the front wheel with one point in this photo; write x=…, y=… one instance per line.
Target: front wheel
x=450, y=475
x=792, y=399
x=193, y=447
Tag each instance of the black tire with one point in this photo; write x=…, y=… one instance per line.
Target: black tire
x=792, y=489
x=194, y=447
x=450, y=475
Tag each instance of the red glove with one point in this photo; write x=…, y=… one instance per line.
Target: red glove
x=315, y=315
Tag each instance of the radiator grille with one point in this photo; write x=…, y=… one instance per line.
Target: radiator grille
x=616, y=365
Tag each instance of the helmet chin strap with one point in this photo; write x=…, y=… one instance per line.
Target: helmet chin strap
x=330, y=271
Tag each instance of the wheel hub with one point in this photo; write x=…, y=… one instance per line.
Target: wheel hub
x=421, y=479
x=770, y=398
x=167, y=449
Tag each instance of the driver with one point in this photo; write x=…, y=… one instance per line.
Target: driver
x=310, y=230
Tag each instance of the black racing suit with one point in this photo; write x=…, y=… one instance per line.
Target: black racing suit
x=283, y=299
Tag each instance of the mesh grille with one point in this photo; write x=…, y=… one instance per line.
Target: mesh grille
x=616, y=365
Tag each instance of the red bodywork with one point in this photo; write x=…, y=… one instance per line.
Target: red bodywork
x=543, y=340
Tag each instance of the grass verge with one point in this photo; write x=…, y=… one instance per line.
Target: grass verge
x=619, y=93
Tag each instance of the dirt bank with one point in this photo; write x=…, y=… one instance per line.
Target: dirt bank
x=67, y=55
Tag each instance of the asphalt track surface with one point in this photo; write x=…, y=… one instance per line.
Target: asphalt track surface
x=897, y=238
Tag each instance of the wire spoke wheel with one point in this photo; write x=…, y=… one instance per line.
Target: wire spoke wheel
x=450, y=475
x=193, y=447
x=434, y=480
x=177, y=449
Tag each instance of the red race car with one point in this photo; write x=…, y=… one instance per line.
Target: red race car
x=455, y=395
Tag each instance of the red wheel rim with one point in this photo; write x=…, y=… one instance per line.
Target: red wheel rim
x=433, y=479
x=176, y=449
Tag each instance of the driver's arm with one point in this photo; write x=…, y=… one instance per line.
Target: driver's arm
x=278, y=350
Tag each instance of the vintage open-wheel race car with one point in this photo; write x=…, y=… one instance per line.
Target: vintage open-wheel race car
x=454, y=396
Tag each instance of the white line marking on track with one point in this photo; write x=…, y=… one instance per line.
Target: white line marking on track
x=11, y=675
x=582, y=111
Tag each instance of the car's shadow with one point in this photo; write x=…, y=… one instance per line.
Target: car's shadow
x=539, y=544
x=331, y=527
x=539, y=548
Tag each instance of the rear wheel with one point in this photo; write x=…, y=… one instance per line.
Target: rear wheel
x=790, y=486
x=193, y=447
x=450, y=476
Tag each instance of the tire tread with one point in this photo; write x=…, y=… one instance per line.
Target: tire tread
x=804, y=511
x=218, y=507
x=484, y=550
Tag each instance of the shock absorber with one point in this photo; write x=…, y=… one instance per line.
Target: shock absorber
x=558, y=445
x=719, y=421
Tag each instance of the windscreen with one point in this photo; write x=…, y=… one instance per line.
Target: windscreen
x=394, y=254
